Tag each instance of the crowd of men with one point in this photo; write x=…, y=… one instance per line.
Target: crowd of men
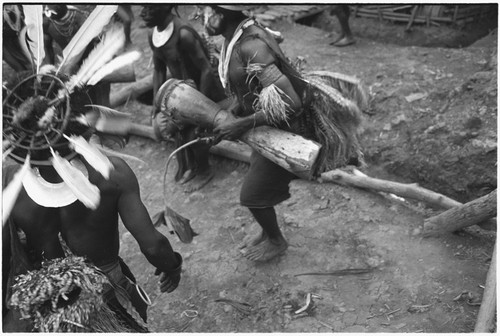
x=251, y=60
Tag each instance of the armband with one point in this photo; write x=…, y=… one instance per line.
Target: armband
x=178, y=268
x=269, y=75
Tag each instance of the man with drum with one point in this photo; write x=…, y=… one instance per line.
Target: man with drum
x=270, y=91
x=180, y=49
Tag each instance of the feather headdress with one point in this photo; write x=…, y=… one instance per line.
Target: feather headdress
x=47, y=121
x=115, y=64
x=112, y=42
x=86, y=192
x=92, y=155
x=33, y=17
x=92, y=27
x=11, y=192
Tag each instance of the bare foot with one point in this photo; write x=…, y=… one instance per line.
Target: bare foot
x=199, y=181
x=265, y=250
x=252, y=240
x=336, y=40
x=344, y=42
x=188, y=176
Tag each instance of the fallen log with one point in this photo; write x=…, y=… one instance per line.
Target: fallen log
x=412, y=190
x=288, y=150
x=462, y=216
x=131, y=91
x=486, y=315
x=233, y=150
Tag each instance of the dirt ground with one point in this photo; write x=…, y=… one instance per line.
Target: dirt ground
x=421, y=98
x=416, y=283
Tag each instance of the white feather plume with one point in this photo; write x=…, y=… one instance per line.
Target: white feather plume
x=92, y=155
x=33, y=18
x=92, y=27
x=108, y=112
x=123, y=156
x=86, y=192
x=112, y=42
x=114, y=65
x=11, y=192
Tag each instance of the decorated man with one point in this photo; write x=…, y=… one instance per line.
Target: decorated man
x=61, y=210
x=270, y=91
x=180, y=49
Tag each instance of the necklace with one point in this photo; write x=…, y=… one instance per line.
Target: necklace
x=47, y=194
x=159, y=38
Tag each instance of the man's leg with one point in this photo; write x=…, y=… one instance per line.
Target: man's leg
x=200, y=154
x=265, y=185
x=270, y=242
x=343, y=12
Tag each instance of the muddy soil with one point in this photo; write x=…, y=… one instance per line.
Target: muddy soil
x=421, y=98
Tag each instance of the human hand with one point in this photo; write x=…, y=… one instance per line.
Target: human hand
x=230, y=128
x=169, y=280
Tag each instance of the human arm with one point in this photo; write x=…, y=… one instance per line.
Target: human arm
x=48, y=44
x=124, y=12
x=255, y=54
x=192, y=47
x=154, y=245
x=159, y=72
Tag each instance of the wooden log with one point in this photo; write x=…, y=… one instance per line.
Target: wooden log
x=291, y=151
x=461, y=216
x=233, y=150
x=412, y=191
x=486, y=315
x=131, y=91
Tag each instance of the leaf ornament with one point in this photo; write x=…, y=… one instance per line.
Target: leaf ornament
x=86, y=192
x=33, y=18
x=92, y=27
x=114, y=65
x=92, y=155
x=12, y=190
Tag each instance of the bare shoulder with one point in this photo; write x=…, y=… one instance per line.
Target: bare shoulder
x=256, y=50
x=186, y=35
x=122, y=173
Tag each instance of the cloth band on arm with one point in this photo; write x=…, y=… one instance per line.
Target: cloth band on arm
x=269, y=75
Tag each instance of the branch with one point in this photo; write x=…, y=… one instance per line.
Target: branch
x=461, y=216
x=401, y=189
x=486, y=314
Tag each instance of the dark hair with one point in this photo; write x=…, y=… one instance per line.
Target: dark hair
x=230, y=15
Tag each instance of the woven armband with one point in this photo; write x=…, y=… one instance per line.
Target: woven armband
x=269, y=75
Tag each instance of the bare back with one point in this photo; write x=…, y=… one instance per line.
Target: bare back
x=93, y=234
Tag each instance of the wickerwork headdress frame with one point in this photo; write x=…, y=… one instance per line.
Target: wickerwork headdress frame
x=36, y=113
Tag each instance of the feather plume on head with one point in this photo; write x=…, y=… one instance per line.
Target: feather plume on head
x=33, y=17
x=43, y=111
